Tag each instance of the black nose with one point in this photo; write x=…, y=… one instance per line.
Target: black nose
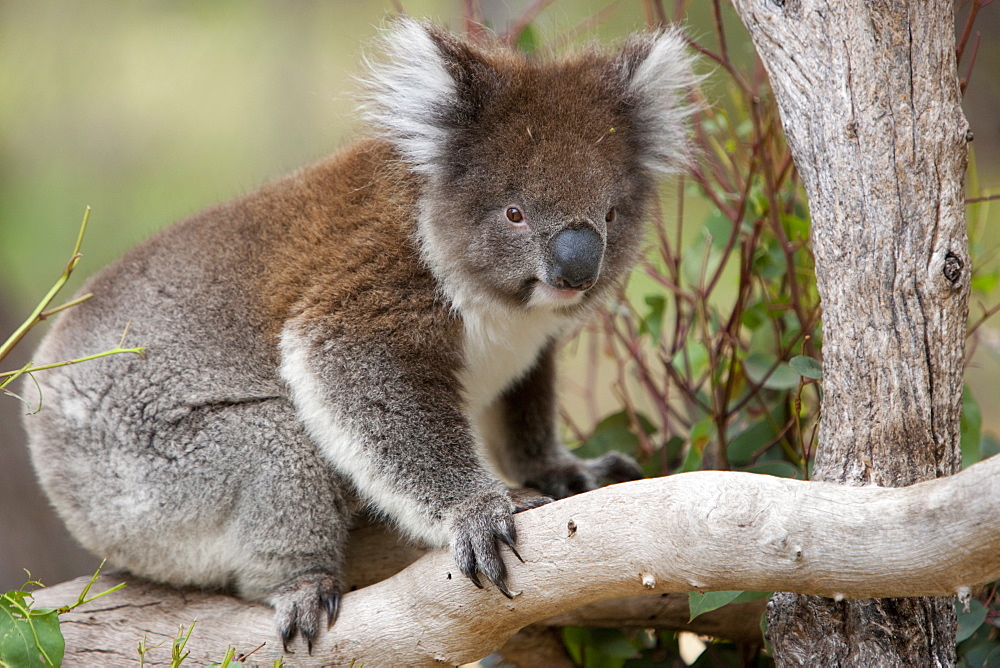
x=576, y=258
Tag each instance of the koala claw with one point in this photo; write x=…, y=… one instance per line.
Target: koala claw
x=299, y=607
x=332, y=601
x=480, y=527
x=506, y=541
x=472, y=576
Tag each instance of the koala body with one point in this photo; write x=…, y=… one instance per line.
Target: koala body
x=376, y=329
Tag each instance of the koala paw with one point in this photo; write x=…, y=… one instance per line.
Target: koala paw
x=300, y=606
x=526, y=499
x=481, y=524
x=582, y=475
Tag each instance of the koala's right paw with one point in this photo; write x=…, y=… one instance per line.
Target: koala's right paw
x=481, y=524
x=300, y=605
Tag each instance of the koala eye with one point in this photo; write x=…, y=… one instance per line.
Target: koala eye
x=611, y=215
x=514, y=215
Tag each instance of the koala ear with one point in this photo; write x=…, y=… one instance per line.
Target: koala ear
x=418, y=91
x=656, y=70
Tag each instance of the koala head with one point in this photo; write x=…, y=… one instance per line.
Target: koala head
x=535, y=174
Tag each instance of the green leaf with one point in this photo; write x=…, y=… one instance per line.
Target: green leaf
x=698, y=438
x=754, y=316
x=700, y=262
x=806, y=366
x=763, y=632
x=26, y=642
x=970, y=428
x=699, y=603
x=594, y=659
x=574, y=638
x=982, y=654
x=797, y=226
x=780, y=469
x=612, y=642
x=969, y=622
x=985, y=282
x=615, y=437
x=654, y=466
x=742, y=448
x=693, y=356
x=988, y=446
x=719, y=228
x=756, y=366
x=769, y=262
x=527, y=41
x=752, y=596
x=652, y=324
x=692, y=462
x=614, y=433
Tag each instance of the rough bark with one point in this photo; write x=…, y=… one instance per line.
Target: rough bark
x=869, y=98
x=709, y=531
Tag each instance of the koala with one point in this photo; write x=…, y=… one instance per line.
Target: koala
x=373, y=332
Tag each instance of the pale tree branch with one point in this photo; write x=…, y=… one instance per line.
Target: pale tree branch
x=706, y=530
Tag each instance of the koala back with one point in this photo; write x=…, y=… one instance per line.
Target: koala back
x=345, y=327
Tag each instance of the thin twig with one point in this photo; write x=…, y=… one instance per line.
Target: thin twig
x=35, y=316
x=964, y=39
x=964, y=83
x=524, y=20
x=52, y=311
x=985, y=198
x=989, y=313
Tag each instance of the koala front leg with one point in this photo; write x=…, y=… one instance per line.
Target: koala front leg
x=384, y=408
x=534, y=455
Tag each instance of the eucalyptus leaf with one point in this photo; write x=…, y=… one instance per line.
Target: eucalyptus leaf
x=527, y=41
x=692, y=462
x=806, y=366
x=699, y=603
x=574, y=639
x=969, y=622
x=757, y=365
x=612, y=642
x=652, y=324
x=26, y=642
x=614, y=433
x=742, y=448
x=781, y=469
x=985, y=282
x=719, y=227
x=989, y=446
x=970, y=429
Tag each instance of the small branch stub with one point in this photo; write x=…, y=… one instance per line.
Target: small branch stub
x=952, y=267
x=964, y=595
x=648, y=581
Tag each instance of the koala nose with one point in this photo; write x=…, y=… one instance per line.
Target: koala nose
x=576, y=258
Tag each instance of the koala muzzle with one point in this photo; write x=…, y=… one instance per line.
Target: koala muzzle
x=575, y=258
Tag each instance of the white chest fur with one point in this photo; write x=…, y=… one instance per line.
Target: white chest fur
x=499, y=348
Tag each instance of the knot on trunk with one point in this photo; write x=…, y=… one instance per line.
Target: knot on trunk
x=952, y=267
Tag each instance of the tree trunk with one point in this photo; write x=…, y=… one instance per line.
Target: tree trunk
x=869, y=98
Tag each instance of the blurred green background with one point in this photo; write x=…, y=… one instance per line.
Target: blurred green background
x=149, y=111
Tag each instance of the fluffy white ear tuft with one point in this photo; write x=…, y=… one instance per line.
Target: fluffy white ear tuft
x=409, y=93
x=660, y=74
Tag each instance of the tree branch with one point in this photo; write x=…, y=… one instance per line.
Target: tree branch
x=703, y=531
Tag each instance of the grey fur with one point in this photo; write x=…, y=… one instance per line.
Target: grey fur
x=368, y=331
